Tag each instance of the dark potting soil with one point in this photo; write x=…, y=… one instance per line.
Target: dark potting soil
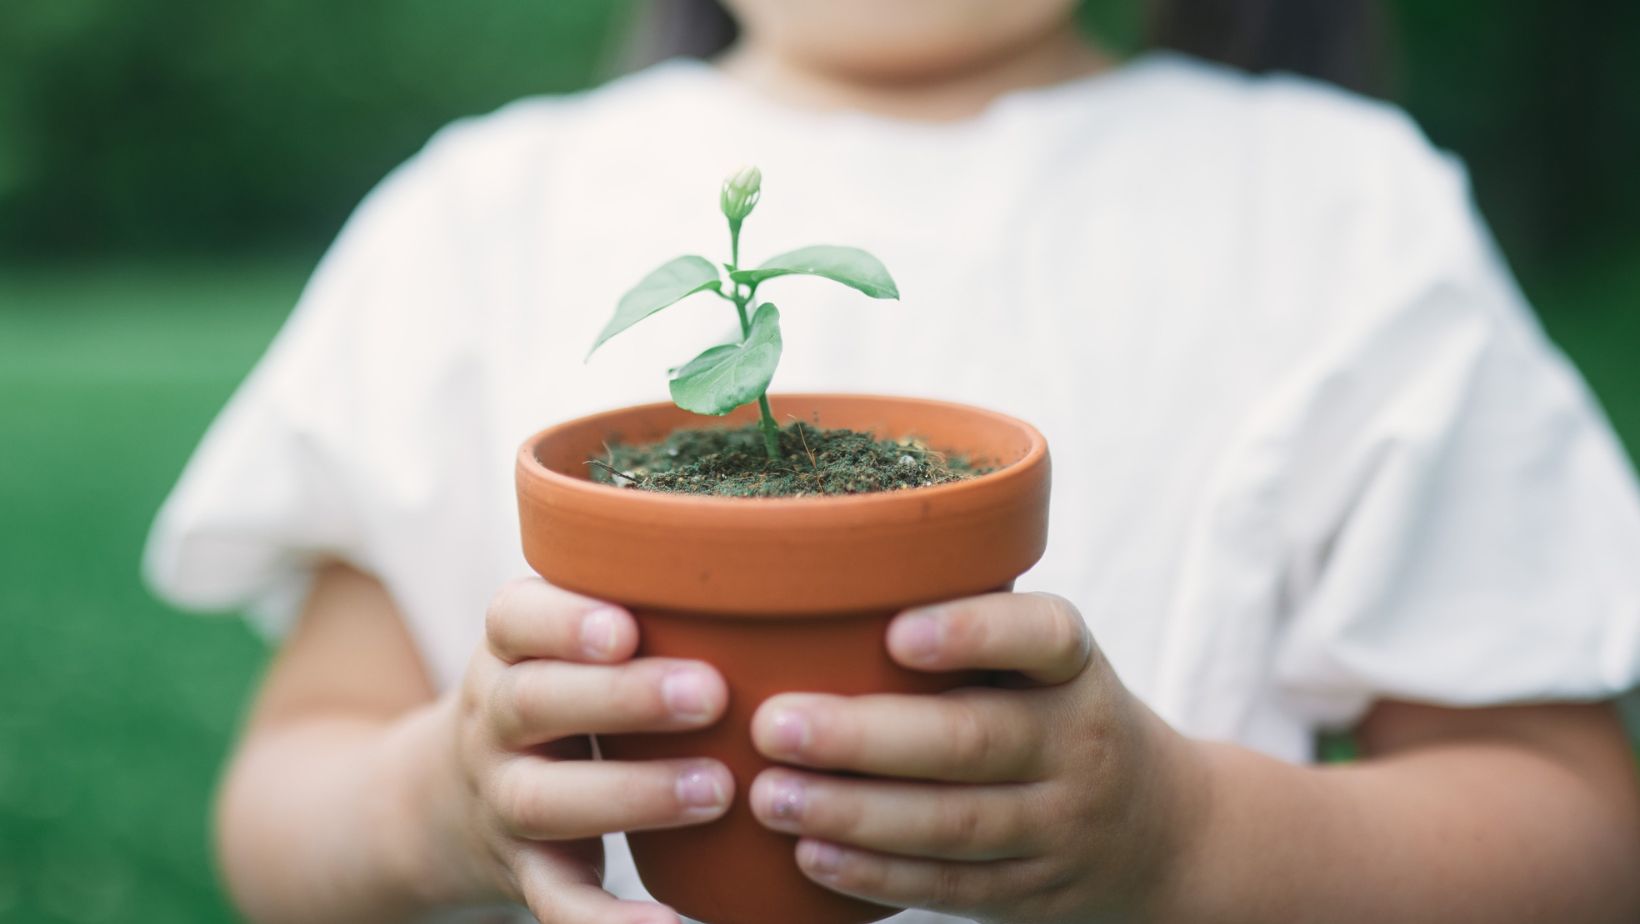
x=731, y=462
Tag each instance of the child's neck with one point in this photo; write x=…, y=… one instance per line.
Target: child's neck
x=936, y=96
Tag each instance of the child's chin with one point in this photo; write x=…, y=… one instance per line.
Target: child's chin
x=908, y=40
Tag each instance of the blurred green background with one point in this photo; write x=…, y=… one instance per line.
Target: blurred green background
x=169, y=171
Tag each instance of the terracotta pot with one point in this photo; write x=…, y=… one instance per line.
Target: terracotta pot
x=780, y=594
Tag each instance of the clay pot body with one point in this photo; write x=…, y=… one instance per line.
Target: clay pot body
x=787, y=594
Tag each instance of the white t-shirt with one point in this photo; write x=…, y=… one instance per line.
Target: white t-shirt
x=1310, y=448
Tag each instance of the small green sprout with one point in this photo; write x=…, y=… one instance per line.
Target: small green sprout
x=729, y=375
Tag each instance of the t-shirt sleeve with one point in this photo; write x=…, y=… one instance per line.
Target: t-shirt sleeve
x=1463, y=526
x=281, y=479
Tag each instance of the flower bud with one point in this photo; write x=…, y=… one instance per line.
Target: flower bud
x=740, y=193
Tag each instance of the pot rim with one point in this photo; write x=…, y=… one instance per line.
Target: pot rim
x=541, y=477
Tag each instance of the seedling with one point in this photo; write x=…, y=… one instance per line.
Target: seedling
x=729, y=375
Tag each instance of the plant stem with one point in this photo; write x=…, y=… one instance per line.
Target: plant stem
x=771, y=430
x=740, y=297
x=734, y=248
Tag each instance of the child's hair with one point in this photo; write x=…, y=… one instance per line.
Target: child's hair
x=1336, y=40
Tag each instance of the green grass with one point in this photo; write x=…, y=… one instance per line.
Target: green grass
x=115, y=712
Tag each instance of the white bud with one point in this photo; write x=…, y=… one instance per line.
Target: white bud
x=741, y=192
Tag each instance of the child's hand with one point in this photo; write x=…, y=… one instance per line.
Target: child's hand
x=555, y=668
x=1061, y=798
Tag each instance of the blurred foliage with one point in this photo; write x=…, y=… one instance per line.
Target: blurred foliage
x=191, y=124
x=186, y=125
x=1540, y=98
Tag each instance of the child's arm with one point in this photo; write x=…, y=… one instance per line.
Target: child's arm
x=310, y=810
x=1494, y=815
x=1073, y=802
x=357, y=795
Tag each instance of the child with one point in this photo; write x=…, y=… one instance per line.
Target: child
x=1315, y=468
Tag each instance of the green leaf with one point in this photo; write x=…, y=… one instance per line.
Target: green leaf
x=672, y=282
x=731, y=374
x=850, y=266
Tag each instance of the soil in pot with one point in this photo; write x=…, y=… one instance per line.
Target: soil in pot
x=732, y=462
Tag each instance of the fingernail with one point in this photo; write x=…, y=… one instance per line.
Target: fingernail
x=783, y=802
x=819, y=858
x=791, y=731
x=702, y=788
x=684, y=692
x=598, y=632
x=917, y=635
